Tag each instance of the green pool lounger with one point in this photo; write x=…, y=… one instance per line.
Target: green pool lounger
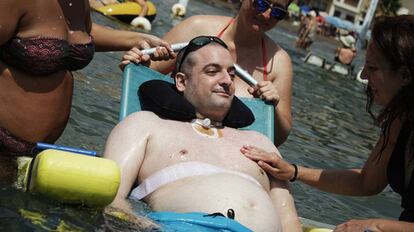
x=135, y=75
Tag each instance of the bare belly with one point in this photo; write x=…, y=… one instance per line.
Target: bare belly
x=217, y=193
x=35, y=108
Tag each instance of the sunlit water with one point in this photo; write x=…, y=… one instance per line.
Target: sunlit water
x=330, y=130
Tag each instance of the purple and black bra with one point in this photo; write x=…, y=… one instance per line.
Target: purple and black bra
x=44, y=56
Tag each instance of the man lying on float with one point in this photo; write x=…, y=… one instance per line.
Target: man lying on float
x=189, y=160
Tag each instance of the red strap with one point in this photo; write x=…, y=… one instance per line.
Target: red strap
x=264, y=52
x=225, y=28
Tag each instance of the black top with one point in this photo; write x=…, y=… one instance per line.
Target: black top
x=396, y=176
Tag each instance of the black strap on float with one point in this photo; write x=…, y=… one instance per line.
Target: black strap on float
x=35, y=152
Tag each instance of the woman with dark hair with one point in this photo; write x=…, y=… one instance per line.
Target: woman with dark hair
x=389, y=69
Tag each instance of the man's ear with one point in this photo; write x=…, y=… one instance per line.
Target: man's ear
x=180, y=81
x=405, y=75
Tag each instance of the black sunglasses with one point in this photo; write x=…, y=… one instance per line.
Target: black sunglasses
x=276, y=12
x=195, y=44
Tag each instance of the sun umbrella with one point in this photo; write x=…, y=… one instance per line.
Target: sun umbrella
x=340, y=23
x=305, y=9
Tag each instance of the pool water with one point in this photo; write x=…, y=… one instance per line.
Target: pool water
x=330, y=130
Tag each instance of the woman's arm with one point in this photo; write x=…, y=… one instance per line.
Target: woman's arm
x=380, y=225
x=339, y=181
x=108, y=39
x=277, y=89
x=282, y=69
x=11, y=13
x=369, y=180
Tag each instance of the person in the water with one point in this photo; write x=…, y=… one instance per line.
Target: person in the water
x=41, y=43
x=389, y=69
x=196, y=165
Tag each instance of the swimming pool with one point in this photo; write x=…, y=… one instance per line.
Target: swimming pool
x=330, y=129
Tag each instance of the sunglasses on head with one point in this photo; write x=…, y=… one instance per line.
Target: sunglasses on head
x=195, y=44
x=276, y=12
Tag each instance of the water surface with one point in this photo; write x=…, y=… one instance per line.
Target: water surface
x=330, y=130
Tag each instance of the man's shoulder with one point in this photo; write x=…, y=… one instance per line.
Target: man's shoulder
x=141, y=116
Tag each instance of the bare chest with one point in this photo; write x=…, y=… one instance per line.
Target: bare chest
x=190, y=143
x=169, y=147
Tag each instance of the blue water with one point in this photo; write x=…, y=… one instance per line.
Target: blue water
x=330, y=130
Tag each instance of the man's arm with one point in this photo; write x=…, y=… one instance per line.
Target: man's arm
x=126, y=145
x=285, y=206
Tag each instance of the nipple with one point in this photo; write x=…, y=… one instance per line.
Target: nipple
x=183, y=155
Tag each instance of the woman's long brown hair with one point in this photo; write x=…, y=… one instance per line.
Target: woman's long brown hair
x=394, y=37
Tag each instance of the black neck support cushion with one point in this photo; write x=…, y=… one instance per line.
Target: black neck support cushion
x=163, y=99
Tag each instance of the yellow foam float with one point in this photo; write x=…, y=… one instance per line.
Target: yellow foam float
x=127, y=11
x=72, y=178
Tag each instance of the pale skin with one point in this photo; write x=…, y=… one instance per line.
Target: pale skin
x=244, y=38
x=345, y=55
x=141, y=149
x=369, y=180
x=22, y=94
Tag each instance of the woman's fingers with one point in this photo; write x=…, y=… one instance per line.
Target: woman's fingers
x=257, y=154
x=267, y=167
x=123, y=64
x=134, y=55
x=271, y=162
x=163, y=53
x=267, y=91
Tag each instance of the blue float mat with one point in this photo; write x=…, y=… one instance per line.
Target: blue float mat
x=196, y=222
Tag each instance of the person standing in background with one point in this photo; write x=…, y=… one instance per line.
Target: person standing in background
x=307, y=34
